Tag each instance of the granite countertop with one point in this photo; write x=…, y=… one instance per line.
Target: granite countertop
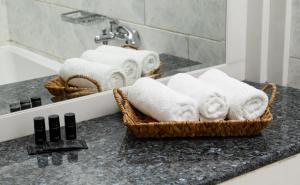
x=12, y=93
x=116, y=157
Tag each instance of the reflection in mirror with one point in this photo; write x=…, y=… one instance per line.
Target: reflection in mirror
x=38, y=38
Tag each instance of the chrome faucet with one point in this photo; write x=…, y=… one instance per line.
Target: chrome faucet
x=119, y=31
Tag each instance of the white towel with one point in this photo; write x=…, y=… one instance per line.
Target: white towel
x=129, y=66
x=160, y=102
x=245, y=101
x=212, y=102
x=148, y=60
x=107, y=76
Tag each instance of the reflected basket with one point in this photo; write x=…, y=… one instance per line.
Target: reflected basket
x=142, y=126
x=60, y=88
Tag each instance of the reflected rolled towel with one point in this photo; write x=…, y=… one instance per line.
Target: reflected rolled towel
x=212, y=102
x=129, y=66
x=107, y=76
x=160, y=102
x=245, y=102
x=148, y=60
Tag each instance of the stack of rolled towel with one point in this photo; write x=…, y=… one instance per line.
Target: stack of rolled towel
x=212, y=96
x=110, y=66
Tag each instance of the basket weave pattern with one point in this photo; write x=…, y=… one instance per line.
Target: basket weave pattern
x=143, y=126
x=59, y=88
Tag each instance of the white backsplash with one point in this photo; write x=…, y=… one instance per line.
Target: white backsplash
x=196, y=31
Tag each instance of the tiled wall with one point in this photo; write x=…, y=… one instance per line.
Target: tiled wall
x=192, y=29
x=4, y=33
x=294, y=67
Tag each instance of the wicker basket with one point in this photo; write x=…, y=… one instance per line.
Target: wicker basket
x=60, y=88
x=143, y=126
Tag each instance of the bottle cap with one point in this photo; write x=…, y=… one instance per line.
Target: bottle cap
x=53, y=121
x=70, y=119
x=39, y=130
x=36, y=101
x=14, y=107
x=24, y=101
x=70, y=126
x=54, y=128
x=39, y=123
x=25, y=104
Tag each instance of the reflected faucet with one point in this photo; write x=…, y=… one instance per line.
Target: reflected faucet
x=118, y=31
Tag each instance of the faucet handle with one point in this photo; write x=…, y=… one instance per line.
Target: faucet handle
x=113, y=24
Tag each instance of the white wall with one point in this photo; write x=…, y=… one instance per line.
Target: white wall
x=268, y=40
x=294, y=66
x=4, y=33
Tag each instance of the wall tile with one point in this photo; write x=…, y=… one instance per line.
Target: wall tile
x=129, y=10
x=44, y=30
x=162, y=41
x=38, y=25
x=294, y=73
x=205, y=18
x=295, y=35
x=4, y=32
x=67, y=40
x=207, y=51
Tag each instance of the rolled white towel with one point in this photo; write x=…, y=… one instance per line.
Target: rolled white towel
x=129, y=66
x=245, y=101
x=212, y=102
x=148, y=60
x=107, y=76
x=160, y=102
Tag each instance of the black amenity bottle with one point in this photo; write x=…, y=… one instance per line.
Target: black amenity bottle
x=39, y=130
x=36, y=101
x=54, y=128
x=70, y=126
x=25, y=104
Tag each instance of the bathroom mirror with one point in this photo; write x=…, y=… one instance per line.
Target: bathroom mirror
x=36, y=37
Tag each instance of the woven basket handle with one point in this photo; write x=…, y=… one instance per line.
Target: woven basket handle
x=79, y=93
x=129, y=46
x=270, y=86
x=86, y=78
x=120, y=98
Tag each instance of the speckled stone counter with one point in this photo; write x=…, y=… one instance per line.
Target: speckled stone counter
x=116, y=157
x=11, y=93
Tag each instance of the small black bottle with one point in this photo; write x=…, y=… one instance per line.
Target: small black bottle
x=54, y=128
x=25, y=104
x=14, y=107
x=39, y=130
x=70, y=126
x=36, y=101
